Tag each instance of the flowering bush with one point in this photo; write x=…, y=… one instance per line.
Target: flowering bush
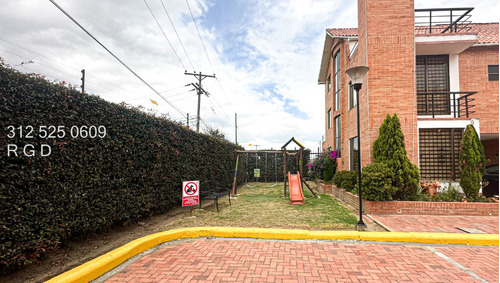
x=324, y=166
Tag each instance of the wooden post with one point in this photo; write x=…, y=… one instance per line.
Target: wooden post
x=237, y=157
x=284, y=172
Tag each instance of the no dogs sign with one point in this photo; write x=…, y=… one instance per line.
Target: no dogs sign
x=190, y=193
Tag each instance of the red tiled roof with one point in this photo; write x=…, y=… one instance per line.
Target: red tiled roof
x=486, y=33
x=342, y=32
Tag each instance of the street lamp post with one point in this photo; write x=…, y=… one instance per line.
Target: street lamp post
x=357, y=74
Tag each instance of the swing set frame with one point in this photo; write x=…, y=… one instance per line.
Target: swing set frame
x=285, y=154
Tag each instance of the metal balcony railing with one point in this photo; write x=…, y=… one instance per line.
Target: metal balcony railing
x=456, y=103
x=446, y=20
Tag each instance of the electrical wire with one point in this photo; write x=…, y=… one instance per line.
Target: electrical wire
x=164, y=35
x=189, y=59
x=199, y=35
x=69, y=67
x=128, y=68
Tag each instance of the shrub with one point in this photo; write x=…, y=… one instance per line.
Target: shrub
x=472, y=163
x=89, y=184
x=347, y=180
x=451, y=195
x=376, y=182
x=389, y=148
x=325, y=166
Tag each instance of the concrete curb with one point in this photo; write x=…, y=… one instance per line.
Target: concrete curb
x=100, y=265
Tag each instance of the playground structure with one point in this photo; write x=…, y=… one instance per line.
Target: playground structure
x=296, y=181
x=256, y=173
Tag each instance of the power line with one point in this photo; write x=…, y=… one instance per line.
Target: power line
x=189, y=59
x=206, y=53
x=199, y=35
x=89, y=34
x=67, y=66
x=164, y=35
x=148, y=96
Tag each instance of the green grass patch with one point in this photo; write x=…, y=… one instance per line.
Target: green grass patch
x=265, y=207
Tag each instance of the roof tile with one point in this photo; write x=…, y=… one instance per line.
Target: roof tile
x=487, y=33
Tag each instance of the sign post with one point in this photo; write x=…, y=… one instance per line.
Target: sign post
x=190, y=193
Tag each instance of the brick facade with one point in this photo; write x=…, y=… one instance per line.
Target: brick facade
x=386, y=43
x=473, y=64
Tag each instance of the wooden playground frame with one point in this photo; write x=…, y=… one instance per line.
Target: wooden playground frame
x=285, y=154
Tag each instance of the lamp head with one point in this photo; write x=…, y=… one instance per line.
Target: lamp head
x=357, y=74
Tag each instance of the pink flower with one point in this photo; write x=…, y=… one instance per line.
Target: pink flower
x=333, y=154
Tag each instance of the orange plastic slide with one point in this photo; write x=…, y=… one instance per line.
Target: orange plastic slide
x=295, y=185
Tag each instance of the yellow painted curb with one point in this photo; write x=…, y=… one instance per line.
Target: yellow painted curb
x=100, y=265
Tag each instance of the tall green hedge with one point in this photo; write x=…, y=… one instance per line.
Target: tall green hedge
x=89, y=184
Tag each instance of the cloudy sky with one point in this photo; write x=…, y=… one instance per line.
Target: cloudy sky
x=265, y=55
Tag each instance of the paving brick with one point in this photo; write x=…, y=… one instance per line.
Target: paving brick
x=193, y=261
x=435, y=223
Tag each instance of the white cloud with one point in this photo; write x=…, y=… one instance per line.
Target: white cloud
x=266, y=57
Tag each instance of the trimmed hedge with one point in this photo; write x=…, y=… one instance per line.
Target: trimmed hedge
x=89, y=184
x=376, y=182
x=347, y=180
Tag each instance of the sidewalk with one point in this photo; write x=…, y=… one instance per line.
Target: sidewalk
x=249, y=260
x=224, y=254
x=439, y=224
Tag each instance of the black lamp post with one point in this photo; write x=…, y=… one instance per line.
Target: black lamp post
x=357, y=74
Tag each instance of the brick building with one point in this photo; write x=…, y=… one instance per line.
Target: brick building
x=433, y=67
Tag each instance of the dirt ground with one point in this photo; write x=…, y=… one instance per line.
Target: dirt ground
x=77, y=253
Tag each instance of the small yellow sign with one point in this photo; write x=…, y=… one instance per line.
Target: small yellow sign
x=256, y=173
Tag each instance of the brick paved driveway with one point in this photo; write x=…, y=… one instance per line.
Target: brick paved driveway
x=245, y=260
x=434, y=223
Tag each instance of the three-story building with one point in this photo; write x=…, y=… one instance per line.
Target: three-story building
x=432, y=67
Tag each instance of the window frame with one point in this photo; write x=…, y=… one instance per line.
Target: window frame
x=328, y=83
x=493, y=74
x=329, y=118
x=353, y=102
x=433, y=84
x=338, y=135
x=353, y=162
x=337, y=74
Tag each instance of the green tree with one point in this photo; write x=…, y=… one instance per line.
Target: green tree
x=389, y=148
x=472, y=163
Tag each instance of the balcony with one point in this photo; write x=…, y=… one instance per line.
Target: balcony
x=446, y=20
x=445, y=104
x=443, y=31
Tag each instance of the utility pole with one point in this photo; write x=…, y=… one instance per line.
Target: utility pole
x=83, y=80
x=187, y=120
x=236, y=128
x=198, y=86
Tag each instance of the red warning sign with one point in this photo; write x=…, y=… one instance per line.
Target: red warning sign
x=190, y=193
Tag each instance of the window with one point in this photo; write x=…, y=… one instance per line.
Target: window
x=433, y=78
x=329, y=119
x=336, y=60
x=328, y=84
x=352, y=96
x=338, y=130
x=353, y=154
x=439, y=153
x=493, y=73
